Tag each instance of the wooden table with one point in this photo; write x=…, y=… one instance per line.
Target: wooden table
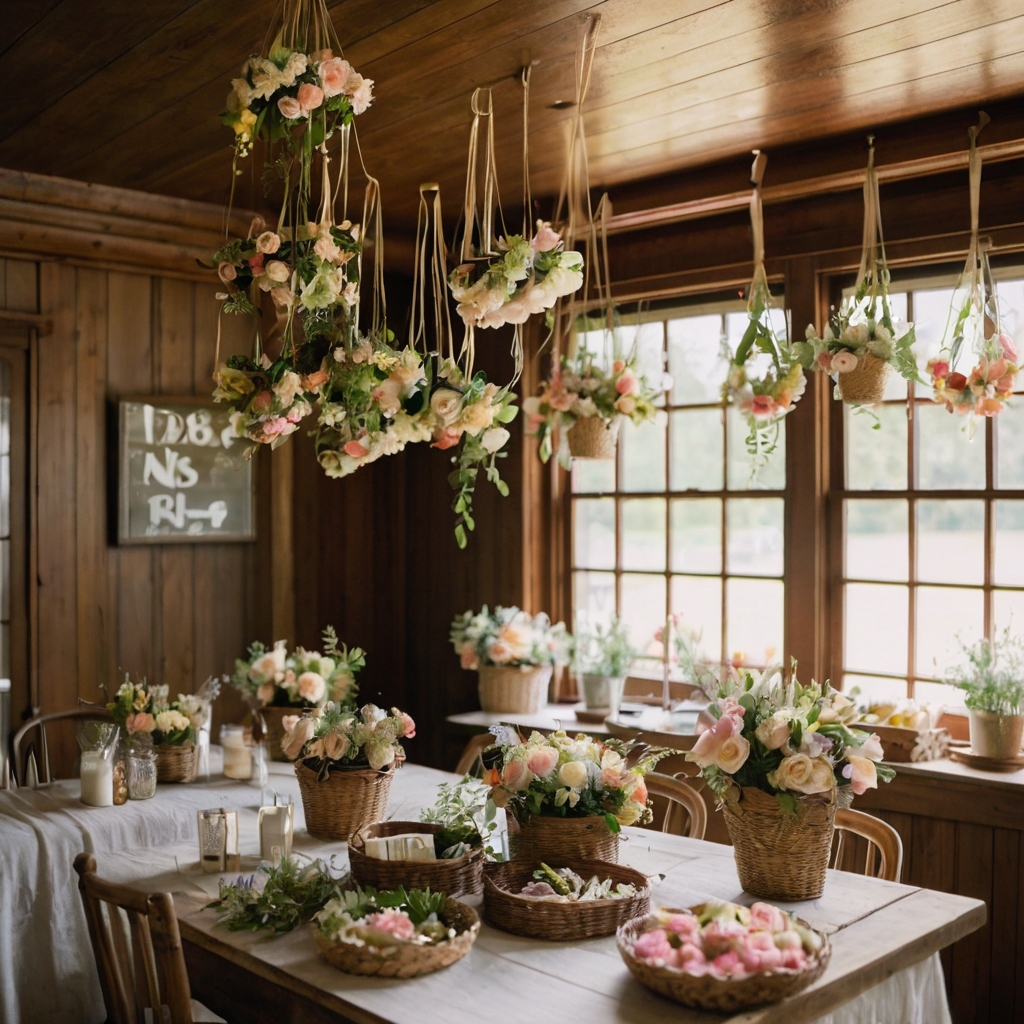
x=876, y=929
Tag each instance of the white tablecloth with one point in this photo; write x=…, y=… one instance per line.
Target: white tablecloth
x=47, y=971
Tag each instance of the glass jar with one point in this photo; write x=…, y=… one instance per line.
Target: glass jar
x=237, y=754
x=141, y=770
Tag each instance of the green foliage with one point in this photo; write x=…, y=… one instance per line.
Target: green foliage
x=992, y=674
x=419, y=904
x=605, y=650
x=466, y=813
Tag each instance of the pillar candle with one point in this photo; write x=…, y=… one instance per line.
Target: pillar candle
x=97, y=779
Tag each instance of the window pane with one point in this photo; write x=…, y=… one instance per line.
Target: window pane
x=942, y=613
x=594, y=541
x=643, y=456
x=947, y=457
x=754, y=532
x=876, y=628
x=877, y=540
x=695, y=359
x=951, y=541
x=643, y=606
x=895, y=385
x=876, y=449
x=938, y=693
x=594, y=596
x=699, y=600
x=754, y=611
x=650, y=361
x=1009, y=427
x=696, y=449
x=643, y=533
x=1011, y=308
x=601, y=344
x=772, y=477
x=874, y=689
x=593, y=476
x=697, y=535
x=931, y=311
x=1007, y=610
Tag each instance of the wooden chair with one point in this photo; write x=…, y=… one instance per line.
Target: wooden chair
x=681, y=797
x=151, y=981
x=34, y=749
x=883, y=844
x=469, y=761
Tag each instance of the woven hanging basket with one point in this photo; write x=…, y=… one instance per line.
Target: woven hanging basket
x=345, y=801
x=591, y=438
x=864, y=385
x=273, y=730
x=706, y=992
x=404, y=960
x=509, y=689
x=176, y=762
x=558, y=840
x=506, y=909
x=459, y=876
x=780, y=856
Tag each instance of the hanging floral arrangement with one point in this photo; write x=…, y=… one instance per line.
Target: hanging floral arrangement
x=974, y=321
x=763, y=396
x=862, y=339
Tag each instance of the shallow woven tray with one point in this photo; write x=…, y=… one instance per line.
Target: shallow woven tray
x=404, y=961
x=709, y=993
x=590, y=438
x=344, y=802
x=550, y=839
x=561, y=922
x=460, y=876
x=176, y=763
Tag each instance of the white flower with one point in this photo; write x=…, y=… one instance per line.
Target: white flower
x=494, y=439
x=445, y=405
x=172, y=721
x=844, y=362
x=288, y=387
x=278, y=271
x=573, y=774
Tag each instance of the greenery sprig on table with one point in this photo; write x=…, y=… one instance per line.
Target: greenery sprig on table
x=467, y=817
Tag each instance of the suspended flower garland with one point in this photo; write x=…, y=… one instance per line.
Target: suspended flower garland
x=764, y=398
x=584, y=399
x=975, y=320
x=863, y=340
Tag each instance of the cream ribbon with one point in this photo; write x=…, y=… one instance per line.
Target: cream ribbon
x=430, y=265
x=759, y=282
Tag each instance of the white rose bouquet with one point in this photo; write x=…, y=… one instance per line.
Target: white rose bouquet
x=509, y=636
x=785, y=739
x=569, y=777
x=146, y=716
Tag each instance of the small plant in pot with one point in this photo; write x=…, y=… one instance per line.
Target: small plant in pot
x=604, y=657
x=992, y=677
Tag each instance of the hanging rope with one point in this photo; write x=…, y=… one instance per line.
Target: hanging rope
x=431, y=256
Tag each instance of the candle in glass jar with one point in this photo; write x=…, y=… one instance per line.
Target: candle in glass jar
x=97, y=779
x=237, y=755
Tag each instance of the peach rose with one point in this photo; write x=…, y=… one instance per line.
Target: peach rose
x=799, y=773
x=140, y=722
x=733, y=754
x=226, y=271
x=289, y=107
x=334, y=75
x=542, y=761
x=265, y=693
x=269, y=242
x=515, y=776
x=278, y=271
x=445, y=405
x=861, y=773
x=773, y=732
x=311, y=687
x=296, y=738
x=310, y=97
x=626, y=405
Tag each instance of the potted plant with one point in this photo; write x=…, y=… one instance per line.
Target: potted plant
x=604, y=657
x=345, y=761
x=781, y=757
x=277, y=683
x=513, y=652
x=567, y=797
x=992, y=677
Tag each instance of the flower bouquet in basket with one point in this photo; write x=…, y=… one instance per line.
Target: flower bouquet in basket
x=345, y=761
x=781, y=756
x=569, y=795
x=513, y=652
x=147, y=717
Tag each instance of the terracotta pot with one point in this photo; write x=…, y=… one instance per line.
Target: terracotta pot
x=996, y=736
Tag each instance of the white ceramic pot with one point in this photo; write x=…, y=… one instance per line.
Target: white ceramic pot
x=996, y=736
x=601, y=692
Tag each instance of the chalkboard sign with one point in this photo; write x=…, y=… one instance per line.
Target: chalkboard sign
x=183, y=474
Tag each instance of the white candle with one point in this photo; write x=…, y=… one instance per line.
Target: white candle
x=97, y=779
x=276, y=830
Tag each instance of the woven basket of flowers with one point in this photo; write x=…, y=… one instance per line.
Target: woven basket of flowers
x=564, y=901
x=591, y=437
x=722, y=956
x=454, y=876
x=402, y=934
x=514, y=689
x=551, y=839
x=865, y=383
x=176, y=763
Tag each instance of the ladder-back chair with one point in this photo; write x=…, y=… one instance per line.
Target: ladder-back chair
x=30, y=744
x=681, y=797
x=884, y=857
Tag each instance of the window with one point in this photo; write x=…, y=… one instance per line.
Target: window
x=675, y=523
x=933, y=520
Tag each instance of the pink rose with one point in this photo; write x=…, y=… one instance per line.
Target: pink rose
x=542, y=761
x=356, y=450
x=764, y=915
x=684, y=925
x=140, y=722
x=706, y=750
x=310, y=97
x=392, y=922
x=728, y=965
x=408, y=726
x=515, y=776
x=1009, y=347
x=627, y=384
x=861, y=773
x=546, y=238
x=289, y=107
x=274, y=426
x=467, y=657
x=653, y=945
x=334, y=74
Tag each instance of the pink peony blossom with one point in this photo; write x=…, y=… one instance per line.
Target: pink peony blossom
x=764, y=915
x=654, y=945
x=683, y=925
x=334, y=74
x=542, y=761
x=794, y=959
x=727, y=965
x=690, y=958
x=310, y=97
x=722, y=935
x=392, y=922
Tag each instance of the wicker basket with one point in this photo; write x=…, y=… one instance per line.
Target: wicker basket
x=780, y=856
x=510, y=689
x=561, y=922
x=177, y=762
x=404, y=961
x=344, y=802
x=709, y=993
x=591, y=438
x=460, y=876
x=866, y=384
x=558, y=840
x=273, y=730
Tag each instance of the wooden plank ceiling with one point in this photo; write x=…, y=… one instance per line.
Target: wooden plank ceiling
x=128, y=93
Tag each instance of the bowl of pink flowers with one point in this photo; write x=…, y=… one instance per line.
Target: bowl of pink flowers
x=722, y=956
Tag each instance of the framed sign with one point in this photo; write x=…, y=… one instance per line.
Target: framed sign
x=183, y=477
